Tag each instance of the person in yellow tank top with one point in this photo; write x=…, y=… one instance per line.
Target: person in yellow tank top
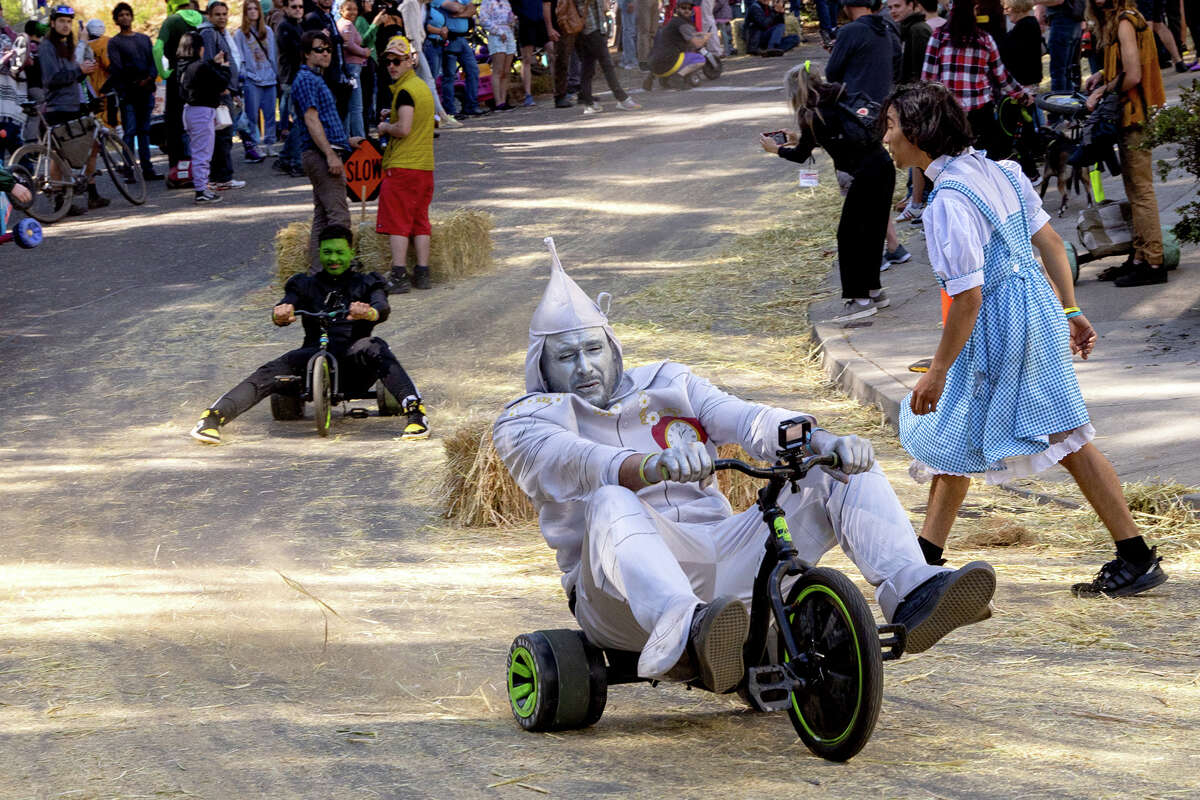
x=407, y=188
x=1131, y=57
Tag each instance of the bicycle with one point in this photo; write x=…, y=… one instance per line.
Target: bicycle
x=55, y=166
x=828, y=669
x=322, y=383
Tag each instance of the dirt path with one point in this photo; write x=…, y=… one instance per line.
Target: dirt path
x=149, y=646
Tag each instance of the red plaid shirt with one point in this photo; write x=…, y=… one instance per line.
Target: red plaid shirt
x=967, y=72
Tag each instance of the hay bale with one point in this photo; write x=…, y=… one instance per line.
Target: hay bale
x=460, y=246
x=740, y=489
x=478, y=491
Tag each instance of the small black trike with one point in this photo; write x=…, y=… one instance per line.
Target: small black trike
x=322, y=384
x=825, y=670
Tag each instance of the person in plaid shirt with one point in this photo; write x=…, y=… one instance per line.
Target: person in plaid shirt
x=965, y=59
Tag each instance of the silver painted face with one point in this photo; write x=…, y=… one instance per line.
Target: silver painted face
x=581, y=362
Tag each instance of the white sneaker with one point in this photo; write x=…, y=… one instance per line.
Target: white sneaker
x=448, y=122
x=230, y=184
x=594, y=108
x=629, y=104
x=886, y=265
x=881, y=300
x=911, y=213
x=852, y=310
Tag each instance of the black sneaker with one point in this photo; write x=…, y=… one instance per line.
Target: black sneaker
x=417, y=426
x=420, y=277
x=208, y=429
x=945, y=602
x=1119, y=271
x=1121, y=578
x=1142, y=275
x=562, y=102
x=715, y=642
x=397, y=282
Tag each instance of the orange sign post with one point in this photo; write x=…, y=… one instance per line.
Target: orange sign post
x=364, y=174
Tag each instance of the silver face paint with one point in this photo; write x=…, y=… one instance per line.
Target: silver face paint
x=581, y=362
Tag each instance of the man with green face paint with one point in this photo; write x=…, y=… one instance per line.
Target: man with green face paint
x=362, y=358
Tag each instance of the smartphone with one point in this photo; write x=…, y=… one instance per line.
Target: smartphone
x=779, y=137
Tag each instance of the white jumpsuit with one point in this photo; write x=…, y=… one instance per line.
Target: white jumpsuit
x=640, y=563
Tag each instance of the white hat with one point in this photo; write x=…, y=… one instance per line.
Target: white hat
x=95, y=28
x=564, y=307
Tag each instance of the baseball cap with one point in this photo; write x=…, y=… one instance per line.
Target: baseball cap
x=399, y=46
x=95, y=28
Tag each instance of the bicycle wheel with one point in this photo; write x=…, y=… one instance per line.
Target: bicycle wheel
x=34, y=165
x=841, y=664
x=322, y=406
x=123, y=169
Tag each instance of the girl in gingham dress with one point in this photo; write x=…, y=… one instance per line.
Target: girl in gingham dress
x=1000, y=398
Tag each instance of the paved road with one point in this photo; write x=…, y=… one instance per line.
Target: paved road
x=1141, y=385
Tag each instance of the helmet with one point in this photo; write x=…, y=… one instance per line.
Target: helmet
x=61, y=11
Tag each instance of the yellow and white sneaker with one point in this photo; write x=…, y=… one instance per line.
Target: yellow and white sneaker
x=208, y=429
x=417, y=426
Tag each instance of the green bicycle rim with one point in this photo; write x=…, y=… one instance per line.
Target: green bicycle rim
x=816, y=587
x=522, y=683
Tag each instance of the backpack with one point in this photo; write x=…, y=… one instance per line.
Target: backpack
x=570, y=20
x=1106, y=229
x=858, y=117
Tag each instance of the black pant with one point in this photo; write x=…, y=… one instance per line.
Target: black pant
x=987, y=133
x=221, y=167
x=176, y=151
x=863, y=226
x=366, y=361
x=593, y=47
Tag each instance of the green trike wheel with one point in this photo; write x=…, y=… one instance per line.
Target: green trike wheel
x=842, y=665
x=389, y=406
x=1073, y=260
x=1170, y=249
x=556, y=681
x=321, y=396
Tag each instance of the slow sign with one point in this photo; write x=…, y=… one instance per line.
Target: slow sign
x=364, y=172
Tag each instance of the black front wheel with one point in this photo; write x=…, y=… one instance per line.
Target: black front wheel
x=840, y=662
x=556, y=681
x=322, y=396
x=123, y=169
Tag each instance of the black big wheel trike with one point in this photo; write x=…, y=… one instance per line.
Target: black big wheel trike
x=828, y=672
x=323, y=386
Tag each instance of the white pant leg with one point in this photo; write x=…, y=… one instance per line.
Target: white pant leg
x=866, y=519
x=709, y=25
x=426, y=75
x=641, y=579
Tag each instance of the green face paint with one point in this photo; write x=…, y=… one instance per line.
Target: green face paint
x=336, y=255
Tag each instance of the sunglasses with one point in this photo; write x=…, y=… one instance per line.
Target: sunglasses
x=397, y=61
x=321, y=50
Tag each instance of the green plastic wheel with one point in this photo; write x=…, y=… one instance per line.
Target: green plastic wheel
x=1170, y=249
x=556, y=681
x=1073, y=259
x=840, y=662
x=389, y=406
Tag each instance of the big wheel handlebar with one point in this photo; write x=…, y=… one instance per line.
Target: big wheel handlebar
x=788, y=470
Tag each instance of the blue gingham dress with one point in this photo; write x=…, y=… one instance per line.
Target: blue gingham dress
x=1013, y=386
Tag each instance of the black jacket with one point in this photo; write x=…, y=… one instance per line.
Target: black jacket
x=914, y=37
x=866, y=57
x=324, y=292
x=202, y=82
x=287, y=43
x=827, y=133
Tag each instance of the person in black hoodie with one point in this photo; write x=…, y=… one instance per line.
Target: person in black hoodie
x=362, y=358
x=201, y=84
x=866, y=53
x=914, y=36
x=823, y=120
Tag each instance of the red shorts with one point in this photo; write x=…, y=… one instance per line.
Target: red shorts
x=404, y=198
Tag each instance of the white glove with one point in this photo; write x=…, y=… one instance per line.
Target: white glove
x=855, y=453
x=682, y=463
